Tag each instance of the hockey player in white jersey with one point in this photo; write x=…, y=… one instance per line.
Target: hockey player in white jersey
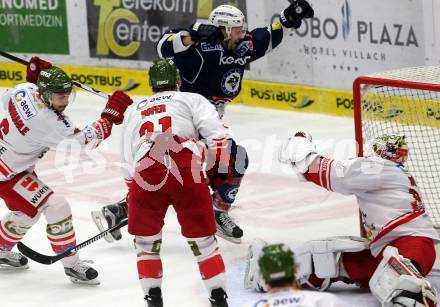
x=273, y=270
x=163, y=166
x=33, y=122
x=399, y=250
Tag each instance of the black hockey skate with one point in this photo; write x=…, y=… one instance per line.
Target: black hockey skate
x=226, y=227
x=81, y=273
x=218, y=298
x=110, y=216
x=13, y=261
x=154, y=298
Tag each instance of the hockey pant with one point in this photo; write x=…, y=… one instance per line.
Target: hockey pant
x=156, y=188
x=361, y=266
x=150, y=195
x=27, y=197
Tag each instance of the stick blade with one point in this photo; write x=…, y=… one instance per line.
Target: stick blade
x=35, y=256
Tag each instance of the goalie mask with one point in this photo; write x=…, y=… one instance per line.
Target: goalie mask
x=277, y=266
x=391, y=147
x=230, y=18
x=55, y=88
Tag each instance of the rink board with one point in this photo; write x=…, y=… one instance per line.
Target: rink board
x=279, y=96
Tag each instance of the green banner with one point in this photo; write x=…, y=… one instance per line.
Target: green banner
x=34, y=26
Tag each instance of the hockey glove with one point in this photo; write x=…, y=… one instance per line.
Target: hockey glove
x=293, y=15
x=244, y=45
x=116, y=106
x=299, y=152
x=207, y=33
x=34, y=67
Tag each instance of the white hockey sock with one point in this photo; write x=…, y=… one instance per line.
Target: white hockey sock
x=211, y=265
x=13, y=227
x=149, y=264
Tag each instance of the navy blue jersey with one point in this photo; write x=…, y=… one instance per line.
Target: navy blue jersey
x=211, y=70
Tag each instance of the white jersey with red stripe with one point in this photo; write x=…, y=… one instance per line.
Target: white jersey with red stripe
x=296, y=298
x=188, y=116
x=29, y=128
x=387, y=194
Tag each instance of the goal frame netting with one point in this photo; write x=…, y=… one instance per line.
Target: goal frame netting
x=412, y=78
x=375, y=81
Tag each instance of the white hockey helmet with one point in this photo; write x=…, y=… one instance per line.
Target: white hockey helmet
x=229, y=17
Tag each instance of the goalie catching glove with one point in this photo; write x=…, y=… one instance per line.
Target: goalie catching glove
x=292, y=16
x=299, y=152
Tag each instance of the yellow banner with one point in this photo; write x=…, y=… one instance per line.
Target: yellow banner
x=296, y=98
x=254, y=93
x=420, y=110
x=106, y=80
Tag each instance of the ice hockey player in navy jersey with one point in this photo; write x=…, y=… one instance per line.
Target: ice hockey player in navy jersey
x=212, y=58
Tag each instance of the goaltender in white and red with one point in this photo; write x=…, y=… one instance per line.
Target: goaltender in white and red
x=399, y=252
x=34, y=121
x=165, y=167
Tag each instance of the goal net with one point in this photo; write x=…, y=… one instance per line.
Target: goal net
x=404, y=101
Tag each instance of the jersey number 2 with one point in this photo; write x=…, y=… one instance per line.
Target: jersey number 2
x=148, y=127
x=4, y=128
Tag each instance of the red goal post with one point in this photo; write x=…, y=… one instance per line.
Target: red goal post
x=404, y=101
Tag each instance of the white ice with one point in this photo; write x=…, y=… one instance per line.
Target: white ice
x=272, y=204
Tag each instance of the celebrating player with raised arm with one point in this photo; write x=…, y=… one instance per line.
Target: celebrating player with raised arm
x=399, y=252
x=164, y=166
x=211, y=59
x=33, y=122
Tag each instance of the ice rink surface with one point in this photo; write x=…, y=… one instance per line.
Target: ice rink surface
x=271, y=204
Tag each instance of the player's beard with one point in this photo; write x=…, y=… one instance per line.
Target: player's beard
x=230, y=45
x=61, y=108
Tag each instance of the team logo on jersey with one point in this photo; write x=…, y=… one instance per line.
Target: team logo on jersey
x=231, y=82
x=142, y=104
x=262, y=303
x=26, y=109
x=285, y=300
x=155, y=99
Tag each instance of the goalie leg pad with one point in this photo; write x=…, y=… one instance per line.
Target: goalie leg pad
x=397, y=280
x=149, y=263
x=322, y=258
x=252, y=274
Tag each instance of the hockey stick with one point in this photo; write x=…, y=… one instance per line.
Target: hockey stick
x=76, y=83
x=44, y=259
